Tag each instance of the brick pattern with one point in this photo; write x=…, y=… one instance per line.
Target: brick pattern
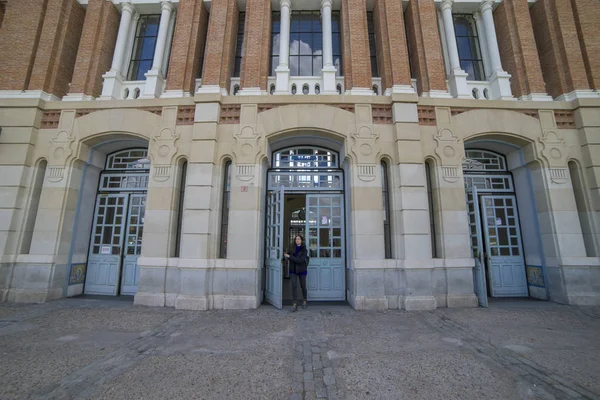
x=356, y=42
x=50, y=120
x=382, y=114
x=220, y=43
x=425, y=46
x=391, y=32
x=185, y=115
x=19, y=39
x=427, y=116
x=558, y=46
x=347, y=65
x=96, y=47
x=257, y=36
x=188, y=46
x=518, y=49
x=230, y=114
x=267, y=107
x=564, y=119
x=57, y=50
x=587, y=18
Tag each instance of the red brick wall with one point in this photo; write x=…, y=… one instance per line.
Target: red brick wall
x=96, y=47
x=257, y=35
x=425, y=46
x=188, y=46
x=220, y=43
x=346, y=50
x=57, y=49
x=19, y=38
x=558, y=46
x=518, y=49
x=357, y=42
x=382, y=44
x=399, y=63
x=587, y=19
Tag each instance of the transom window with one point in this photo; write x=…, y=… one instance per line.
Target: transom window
x=144, y=46
x=128, y=159
x=469, y=52
x=483, y=160
x=305, y=157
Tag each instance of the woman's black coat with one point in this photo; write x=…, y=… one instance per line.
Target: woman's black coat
x=298, y=264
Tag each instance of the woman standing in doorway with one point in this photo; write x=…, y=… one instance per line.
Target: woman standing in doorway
x=298, y=267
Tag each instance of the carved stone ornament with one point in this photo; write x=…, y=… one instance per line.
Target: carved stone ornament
x=163, y=149
x=554, y=149
x=60, y=153
x=366, y=149
x=559, y=175
x=450, y=150
x=367, y=172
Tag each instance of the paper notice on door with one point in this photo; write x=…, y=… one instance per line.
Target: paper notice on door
x=105, y=250
x=498, y=221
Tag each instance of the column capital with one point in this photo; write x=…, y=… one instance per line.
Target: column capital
x=128, y=7
x=166, y=5
x=447, y=5
x=285, y=3
x=325, y=3
x=486, y=5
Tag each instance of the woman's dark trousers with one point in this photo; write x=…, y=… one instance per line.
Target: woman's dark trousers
x=294, y=279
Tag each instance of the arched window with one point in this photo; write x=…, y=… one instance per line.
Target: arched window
x=34, y=205
x=225, y=209
x=432, y=211
x=387, y=232
x=182, y=184
x=582, y=209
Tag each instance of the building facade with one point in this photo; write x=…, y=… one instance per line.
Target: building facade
x=433, y=153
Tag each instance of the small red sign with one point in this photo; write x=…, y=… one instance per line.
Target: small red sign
x=244, y=188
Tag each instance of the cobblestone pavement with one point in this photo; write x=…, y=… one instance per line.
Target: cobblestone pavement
x=90, y=348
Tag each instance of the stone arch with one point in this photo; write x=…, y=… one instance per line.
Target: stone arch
x=514, y=127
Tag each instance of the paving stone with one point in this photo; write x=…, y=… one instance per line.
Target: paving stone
x=321, y=392
x=308, y=367
x=329, y=380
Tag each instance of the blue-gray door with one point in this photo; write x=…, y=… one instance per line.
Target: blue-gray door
x=104, y=259
x=504, y=248
x=326, y=278
x=479, y=279
x=133, y=243
x=274, y=248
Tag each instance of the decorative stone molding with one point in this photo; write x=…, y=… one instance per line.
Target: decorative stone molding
x=367, y=172
x=245, y=172
x=450, y=174
x=532, y=113
x=267, y=107
x=162, y=150
x=554, y=149
x=60, y=153
x=450, y=149
x=559, y=175
x=365, y=141
x=345, y=107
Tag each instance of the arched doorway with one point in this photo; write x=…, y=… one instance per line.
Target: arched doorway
x=118, y=224
x=496, y=239
x=305, y=196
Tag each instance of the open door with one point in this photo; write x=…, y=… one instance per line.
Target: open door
x=274, y=247
x=504, y=247
x=479, y=278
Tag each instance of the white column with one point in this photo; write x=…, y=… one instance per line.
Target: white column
x=113, y=79
x=458, y=78
x=283, y=71
x=154, y=77
x=163, y=31
x=126, y=16
x=498, y=78
x=490, y=34
x=327, y=40
x=329, y=69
